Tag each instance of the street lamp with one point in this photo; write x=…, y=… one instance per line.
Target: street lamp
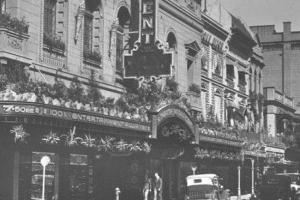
x=45, y=160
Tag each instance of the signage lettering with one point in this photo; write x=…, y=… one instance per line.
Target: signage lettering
x=148, y=58
x=69, y=115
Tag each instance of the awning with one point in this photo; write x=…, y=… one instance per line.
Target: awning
x=241, y=27
x=231, y=104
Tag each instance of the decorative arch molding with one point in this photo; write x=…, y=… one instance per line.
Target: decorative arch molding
x=174, y=117
x=120, y=5
x=170, y=30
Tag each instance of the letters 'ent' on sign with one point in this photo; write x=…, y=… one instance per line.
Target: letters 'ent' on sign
x=148, y=57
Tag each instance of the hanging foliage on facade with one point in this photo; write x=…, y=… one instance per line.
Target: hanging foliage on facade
x=177, y=131
x=51, y=138
x=101, y=144
x=19, y=134
x=216, y=154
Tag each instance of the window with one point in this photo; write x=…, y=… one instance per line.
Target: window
x=2, y=6
x=122, y=29
x=91, y=33
x=191, y=51
x=68, y=176
x=203, y=104
x=54, y=25
x=230, y=72
x=172, y=44
x=204, y=62
x=218, y=108
x=171, y=40
x=88, y=33
x=49, y=17
x=242, y=78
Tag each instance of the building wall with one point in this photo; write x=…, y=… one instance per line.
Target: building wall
x=282, y=58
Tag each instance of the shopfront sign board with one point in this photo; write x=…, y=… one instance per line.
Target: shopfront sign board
x=69, y=114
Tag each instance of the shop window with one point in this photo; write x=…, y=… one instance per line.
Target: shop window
x=67, y=176
x=230, y=72
x=37, y=176
x=122, y=31
x=2, y=6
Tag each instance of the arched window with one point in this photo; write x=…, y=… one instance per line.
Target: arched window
x=171, y=39
x=122, y=29
x=172, y=45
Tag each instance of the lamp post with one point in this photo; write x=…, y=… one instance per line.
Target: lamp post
x=45, y=160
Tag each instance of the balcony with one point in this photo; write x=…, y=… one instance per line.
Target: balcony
x=54, y=57
x=273, y=95
x=242, y=88
x=204, y=72
x=54, y=51
x=14, y=43
x=217, y=77
x=230, y=82
x=273, y=141
x=195, y=100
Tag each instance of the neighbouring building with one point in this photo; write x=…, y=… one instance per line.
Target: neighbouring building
x=112, y=90
x=281, y=52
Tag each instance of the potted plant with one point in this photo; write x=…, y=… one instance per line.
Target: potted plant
x=195, y=88
x=13, y=23
x=54, y=43
x=92, y=56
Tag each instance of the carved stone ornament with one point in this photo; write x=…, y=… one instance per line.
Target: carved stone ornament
x=14, y=43
x=204, y=85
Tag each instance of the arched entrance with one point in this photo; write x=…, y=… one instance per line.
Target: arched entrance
x=170, y=149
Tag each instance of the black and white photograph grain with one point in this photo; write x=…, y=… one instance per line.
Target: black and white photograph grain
x=149, y=99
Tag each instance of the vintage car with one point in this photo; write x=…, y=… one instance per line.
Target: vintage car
x=276, y=187
x=295, y=178
x=205, y=187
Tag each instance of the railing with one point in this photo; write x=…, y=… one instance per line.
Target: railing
x=54, y=57
x=217, y=77
x=273, y=141
x=288, y=101
x=272, y=95
x=230, y=83
x=278, y=96
x=249, y=136
x=204, y=72
x=242, y=88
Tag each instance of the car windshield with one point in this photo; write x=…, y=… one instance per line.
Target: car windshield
x=294, y=177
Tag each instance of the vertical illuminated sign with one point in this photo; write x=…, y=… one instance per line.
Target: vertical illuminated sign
x=148, y=57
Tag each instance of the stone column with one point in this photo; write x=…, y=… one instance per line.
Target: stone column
x=239, y=183
x=252, y=176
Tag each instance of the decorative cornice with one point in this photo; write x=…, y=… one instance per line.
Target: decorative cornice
x=183, y=14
